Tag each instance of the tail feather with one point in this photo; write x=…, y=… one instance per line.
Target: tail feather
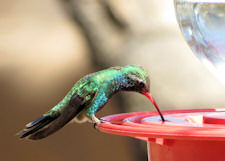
x=36, y=125
x=37, y=121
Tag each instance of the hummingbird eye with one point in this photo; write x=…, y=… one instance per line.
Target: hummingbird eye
x=142, y=84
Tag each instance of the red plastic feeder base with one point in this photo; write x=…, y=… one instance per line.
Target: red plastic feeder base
x=187, y=135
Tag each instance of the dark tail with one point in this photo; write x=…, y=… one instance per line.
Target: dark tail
x=38, y=129
x=36, y=125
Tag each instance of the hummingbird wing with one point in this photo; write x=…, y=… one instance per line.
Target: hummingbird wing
x=35, y=130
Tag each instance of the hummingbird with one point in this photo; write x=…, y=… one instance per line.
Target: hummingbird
x=88, y=96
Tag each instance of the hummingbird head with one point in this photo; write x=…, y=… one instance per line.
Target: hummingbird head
x=137, y=79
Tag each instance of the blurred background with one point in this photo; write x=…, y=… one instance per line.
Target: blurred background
x=46, y=46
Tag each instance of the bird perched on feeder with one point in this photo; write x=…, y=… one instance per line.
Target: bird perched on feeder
x=88, y=96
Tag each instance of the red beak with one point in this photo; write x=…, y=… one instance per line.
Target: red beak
x=149, y=96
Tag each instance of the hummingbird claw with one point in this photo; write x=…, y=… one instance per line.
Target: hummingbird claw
x=99, y=124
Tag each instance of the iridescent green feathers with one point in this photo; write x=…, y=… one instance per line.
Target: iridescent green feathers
x=108, y=79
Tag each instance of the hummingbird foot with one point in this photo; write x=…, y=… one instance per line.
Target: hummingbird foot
x=99, y=123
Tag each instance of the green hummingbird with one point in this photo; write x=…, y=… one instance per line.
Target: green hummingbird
x=88, y=96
